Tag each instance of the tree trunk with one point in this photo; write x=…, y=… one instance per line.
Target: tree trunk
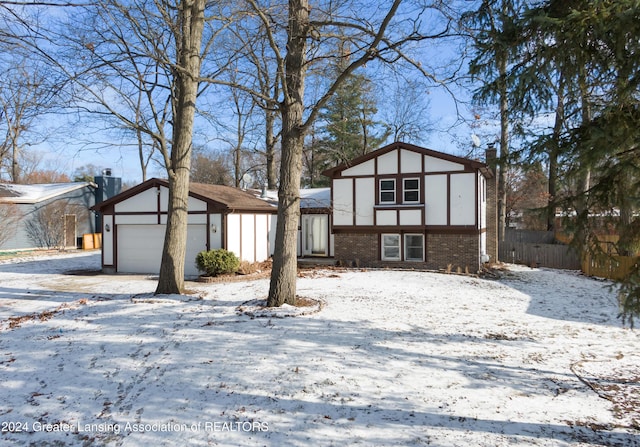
x=191, y=22
x=553, y=157
x=283, y=275
x=503, y=160
x=270, y=143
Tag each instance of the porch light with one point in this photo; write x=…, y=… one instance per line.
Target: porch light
x=107, y=228
x=214, y=228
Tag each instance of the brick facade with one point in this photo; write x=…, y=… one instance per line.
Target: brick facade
x=458, y=250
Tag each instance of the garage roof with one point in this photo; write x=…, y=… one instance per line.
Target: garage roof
x=225, y=198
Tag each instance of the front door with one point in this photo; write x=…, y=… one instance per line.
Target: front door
x=315, y=234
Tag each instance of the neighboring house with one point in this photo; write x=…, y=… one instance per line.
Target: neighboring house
x=45, y=215
x=134, y=224
x=404, y=205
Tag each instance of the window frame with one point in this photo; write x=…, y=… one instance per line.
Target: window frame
x=405, y=190
x=407, y=247
x=383, y=246
x=383, y=191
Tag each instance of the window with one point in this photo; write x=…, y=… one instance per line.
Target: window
x=411, y=190
x=414, y=247
x=391, y=247
x=387, y=191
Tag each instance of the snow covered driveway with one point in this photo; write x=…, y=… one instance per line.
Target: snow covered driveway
x=393, y=358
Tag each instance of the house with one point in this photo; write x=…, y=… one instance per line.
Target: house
x=404, y=205
x=315, y=238
x=45, y=215
x=134, y=224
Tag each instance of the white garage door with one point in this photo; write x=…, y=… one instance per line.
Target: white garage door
x=140, y=248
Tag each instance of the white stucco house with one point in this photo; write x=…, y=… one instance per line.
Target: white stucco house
x=134, y=225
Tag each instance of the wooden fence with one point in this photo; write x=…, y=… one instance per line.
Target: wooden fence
x=555, y=256
x=611, y=267
x=535, y=248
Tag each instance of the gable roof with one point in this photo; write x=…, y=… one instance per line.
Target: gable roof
x=222, y=197
x=472, y=164
x=31, y=194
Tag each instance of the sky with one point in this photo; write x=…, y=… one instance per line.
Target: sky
x=70, y=150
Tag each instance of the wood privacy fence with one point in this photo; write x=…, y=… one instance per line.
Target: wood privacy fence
x=536, y=249
x=611, y=267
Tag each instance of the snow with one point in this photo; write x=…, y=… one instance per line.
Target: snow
x=36, y=193
x=404, y=358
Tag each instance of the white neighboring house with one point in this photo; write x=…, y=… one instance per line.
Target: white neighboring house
x=67, y=203
x=134, y=224
x=405, y=205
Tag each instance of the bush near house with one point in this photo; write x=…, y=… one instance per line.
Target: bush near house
x=217, y=262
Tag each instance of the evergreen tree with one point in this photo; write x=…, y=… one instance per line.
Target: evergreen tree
x=348, y=127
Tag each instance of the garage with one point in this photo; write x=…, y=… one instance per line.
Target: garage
x=134, y=225
x=139, y=251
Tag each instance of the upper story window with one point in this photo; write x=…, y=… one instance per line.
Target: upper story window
x=388, y=191
x=411, y=190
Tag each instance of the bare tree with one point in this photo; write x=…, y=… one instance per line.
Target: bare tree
x=25, y=96
x=212, y=169
x=45, y=226
x=299, y=37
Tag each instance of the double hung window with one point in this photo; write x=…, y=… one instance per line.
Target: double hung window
x=411, y=190
x=387, y=191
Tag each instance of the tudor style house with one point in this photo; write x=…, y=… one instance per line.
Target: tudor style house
x=404, y=205
x=399, y=206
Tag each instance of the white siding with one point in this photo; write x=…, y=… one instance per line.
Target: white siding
x=366, y=168
x=248, y=236
x=433, y=164
x=215, y=223
x=136, y=219
x=436, y=199
x=410, y=161
x=248, y=232
x=164, y=198
x=365, y=200
x=200, y=219
x=343, y=202
x=386, y=217
x=232, y=233
x=146, y=201
x=262, y=237
x=410, y=217
x=388, y=163
x=107, y=240
x=482, y=200
x=196, y=205
x=463, y=199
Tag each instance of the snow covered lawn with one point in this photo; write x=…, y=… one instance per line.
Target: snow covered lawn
x=392, y=358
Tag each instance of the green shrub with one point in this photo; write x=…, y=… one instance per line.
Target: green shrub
x=217, y=262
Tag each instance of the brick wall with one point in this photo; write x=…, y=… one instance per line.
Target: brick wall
x=459, y=250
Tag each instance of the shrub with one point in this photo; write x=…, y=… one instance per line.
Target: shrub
x=217, y=262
